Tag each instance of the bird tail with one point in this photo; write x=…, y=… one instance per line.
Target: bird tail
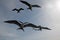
x=40, y=28
x=17, y=11
x=30, y=8
x=20, y=28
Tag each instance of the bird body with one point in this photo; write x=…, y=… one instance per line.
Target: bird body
x=18, y=10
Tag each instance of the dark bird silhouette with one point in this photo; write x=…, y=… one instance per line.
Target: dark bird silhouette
x=18, y=10
x=26, y=3
x=25, y=24
x=15, y=22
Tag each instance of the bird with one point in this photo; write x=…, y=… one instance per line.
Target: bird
x=16, y=22
x=26, y=24
x=18, y=10
x=26, y=3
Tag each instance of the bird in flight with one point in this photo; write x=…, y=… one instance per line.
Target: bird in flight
x=29, y=5
x=18, y=10
x=25, y=24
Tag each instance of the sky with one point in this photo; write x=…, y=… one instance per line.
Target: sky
x=48, y=16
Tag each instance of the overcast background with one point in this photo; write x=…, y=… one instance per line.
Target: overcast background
x=47, y=16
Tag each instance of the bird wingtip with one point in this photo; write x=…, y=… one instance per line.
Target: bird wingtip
x=49, y=29
x=5, y=21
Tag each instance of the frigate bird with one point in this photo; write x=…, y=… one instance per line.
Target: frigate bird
x=16, y=22
x=18, y=10
x=26, y=3
x=25, y=24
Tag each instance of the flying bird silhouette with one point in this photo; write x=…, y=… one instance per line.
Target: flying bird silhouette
x=25, y=24
x=18, y=10
x=15, y=22
x=26, y=3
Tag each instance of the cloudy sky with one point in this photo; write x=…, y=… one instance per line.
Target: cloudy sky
x=48, y=16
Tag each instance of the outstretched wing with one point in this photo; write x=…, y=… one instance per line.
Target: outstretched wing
x=36, y=6
x=46, y=28
x=26, y=3
x=13, y=22
x=30, y=25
